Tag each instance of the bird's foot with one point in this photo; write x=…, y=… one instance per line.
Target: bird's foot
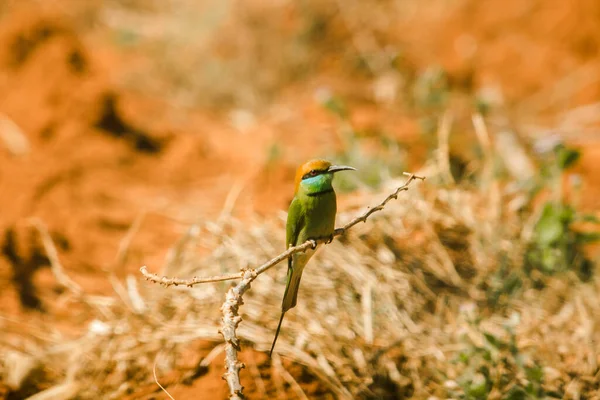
x=329, y=239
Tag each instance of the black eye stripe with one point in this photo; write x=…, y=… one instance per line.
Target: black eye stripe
x=312, y=173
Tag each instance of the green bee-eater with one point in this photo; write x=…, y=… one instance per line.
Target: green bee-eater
x=311, y=215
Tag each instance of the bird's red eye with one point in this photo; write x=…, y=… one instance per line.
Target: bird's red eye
x=311, y=173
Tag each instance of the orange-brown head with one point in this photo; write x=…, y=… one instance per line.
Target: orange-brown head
x=315, y=168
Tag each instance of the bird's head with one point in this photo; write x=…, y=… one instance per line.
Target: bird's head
x=316, y=176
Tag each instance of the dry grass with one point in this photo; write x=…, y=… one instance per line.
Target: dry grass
x=412, y=303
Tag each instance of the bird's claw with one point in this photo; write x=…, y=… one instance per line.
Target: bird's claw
x=313, y=243
x=329, y=239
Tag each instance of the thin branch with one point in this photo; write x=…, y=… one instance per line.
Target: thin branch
x=52, y=254
x=381, y=206
x=233, y=299
x=156, y=379
x=289, y=378
x=258, y=380
x=13, y=137
x=444, y=146
x=166, y=281
x=125, y=242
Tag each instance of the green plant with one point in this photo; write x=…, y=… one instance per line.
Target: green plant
x=556, y=244
x=502, y=284
x=497, y=365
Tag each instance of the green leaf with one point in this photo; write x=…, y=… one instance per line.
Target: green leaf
x=516, y=393
x=478, y=387
x=587, y=237
x=493, y=340
x=336, y=106
x=550, y=227
x=566, y=157
x=511, y=283
x=551, y=259
x=535, y=373
x=482, y=106
x=567, y=214
x=589, y=218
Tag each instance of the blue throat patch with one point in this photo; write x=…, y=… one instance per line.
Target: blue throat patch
x=317, y=184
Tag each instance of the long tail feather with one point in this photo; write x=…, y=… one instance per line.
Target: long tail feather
x=276, y=333
x=290, y=297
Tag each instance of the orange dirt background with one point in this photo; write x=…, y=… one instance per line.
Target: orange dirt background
x=99, y=156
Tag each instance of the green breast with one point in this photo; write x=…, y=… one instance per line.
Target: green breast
x=319, y=215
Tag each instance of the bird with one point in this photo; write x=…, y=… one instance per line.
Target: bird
x=311, y=215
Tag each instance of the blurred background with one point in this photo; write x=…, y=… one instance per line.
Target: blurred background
x=167, y=134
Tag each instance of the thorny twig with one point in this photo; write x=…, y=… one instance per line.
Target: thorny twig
x=163, y=280
x=233, y=299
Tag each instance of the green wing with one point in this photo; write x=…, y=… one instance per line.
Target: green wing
x=295, y=222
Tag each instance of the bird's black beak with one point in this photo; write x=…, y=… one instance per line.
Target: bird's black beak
x=338, y=168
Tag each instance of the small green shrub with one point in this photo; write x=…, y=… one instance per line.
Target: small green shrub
x=556, y=245
x=498, y=365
